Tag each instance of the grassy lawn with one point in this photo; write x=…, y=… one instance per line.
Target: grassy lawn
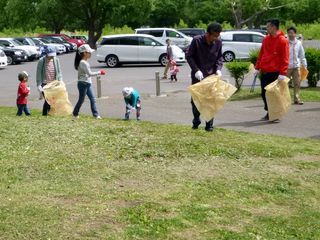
x=306, y=94
x=62, y=178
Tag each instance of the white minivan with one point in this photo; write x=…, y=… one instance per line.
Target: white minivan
x=135, y=48
x=239, y=44
x=162, y=34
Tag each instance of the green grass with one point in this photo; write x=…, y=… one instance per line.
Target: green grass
x=306, y=94
x=62, y=178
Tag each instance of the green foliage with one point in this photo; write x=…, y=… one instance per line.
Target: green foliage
x=109, y=30
x=313, y=60
x=181, y=24
x=253, y=56
x=238, y=71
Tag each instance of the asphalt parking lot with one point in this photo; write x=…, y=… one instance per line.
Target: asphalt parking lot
x=173, y=107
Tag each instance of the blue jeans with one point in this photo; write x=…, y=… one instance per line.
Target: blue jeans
x=85, y=89
x=23, y=108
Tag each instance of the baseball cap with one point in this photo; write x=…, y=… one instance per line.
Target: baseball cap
x=50, y=52
x=127, y=91
x=85, y=48
x=23, y=75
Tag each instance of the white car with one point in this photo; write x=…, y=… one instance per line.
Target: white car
x=162, y=34
x=60, y=48
x=135, y=48
x=3, y=59
x=33, y=52
x=239, y=44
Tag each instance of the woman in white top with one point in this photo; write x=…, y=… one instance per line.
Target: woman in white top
x=84, y=80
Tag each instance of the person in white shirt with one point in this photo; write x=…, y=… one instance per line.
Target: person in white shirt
x=296, y=59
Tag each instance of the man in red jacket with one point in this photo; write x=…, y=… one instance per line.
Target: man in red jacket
x=23, y=92
x=273, y=59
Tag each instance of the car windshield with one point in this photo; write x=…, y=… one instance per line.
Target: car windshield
x=61, y=39
x=52, y=40
x=16, y=43
x=45, y=40
x=36, y=41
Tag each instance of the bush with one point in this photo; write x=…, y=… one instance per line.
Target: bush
x=253, y=56
x=313, y=60
x=238, y=71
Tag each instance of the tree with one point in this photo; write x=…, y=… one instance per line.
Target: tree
x=53, y=14
x=246, y=11
x=134, y=13
x=92, y=15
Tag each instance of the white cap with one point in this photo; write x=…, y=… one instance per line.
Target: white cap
x=85, y=48
x=127, y=91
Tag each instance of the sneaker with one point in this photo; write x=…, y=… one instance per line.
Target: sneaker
x=164, y=77
x=138, y=118
x=265, y=118
x=209, y=129
x=298, y=103
x=275, y=121
x=76, y=116
x=98, y=117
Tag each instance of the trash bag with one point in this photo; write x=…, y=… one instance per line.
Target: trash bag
x=278, y=98
x=56, y=95
x=303, y=73
x=210, y=95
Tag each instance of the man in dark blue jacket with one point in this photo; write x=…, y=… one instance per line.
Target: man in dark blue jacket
x=205, y=58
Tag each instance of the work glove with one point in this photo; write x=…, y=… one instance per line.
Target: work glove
x=199, y=75
x=219, y=73
x=40, y=88
x=102, y=72
x=281, y=77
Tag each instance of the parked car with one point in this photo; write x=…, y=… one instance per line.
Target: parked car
x=192, y=32
x=239, y=44
x=70, y=46
x=78, y=42
x=33, y=52
x=83, y=37
x=176, y=37
x=135, y=48
x=3, y=59
x=14, y=55
x=42, y=42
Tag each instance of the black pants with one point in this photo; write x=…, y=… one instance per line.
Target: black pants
x=174, y=77
x=266, y=79
x=46, y=107
x=196, y=117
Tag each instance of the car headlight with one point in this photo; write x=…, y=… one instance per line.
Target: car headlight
x=17, y=53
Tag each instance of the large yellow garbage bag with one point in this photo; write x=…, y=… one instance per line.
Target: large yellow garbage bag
x=56, y=95
x=278, y=98
x=303, y=73
x=210, y=95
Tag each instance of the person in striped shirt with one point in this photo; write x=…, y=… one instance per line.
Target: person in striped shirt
x=48, y=70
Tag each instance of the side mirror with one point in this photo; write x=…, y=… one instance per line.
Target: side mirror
x=153, y=44
x=11, y=45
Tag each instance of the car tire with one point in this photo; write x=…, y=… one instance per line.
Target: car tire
x=10, y=60
x=163, y=59
x=112, y=61
x=228, y=56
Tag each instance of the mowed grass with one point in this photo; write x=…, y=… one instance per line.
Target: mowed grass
x=62, y=178
x=306, y=94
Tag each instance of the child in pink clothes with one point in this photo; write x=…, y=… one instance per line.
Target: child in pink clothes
x=173, y=70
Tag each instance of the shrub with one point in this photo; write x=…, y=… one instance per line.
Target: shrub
x=238, y=71
x=313, y=60
x=253, y=56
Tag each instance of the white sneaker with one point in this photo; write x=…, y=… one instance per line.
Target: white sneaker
x=98, y=117
x=76, y=117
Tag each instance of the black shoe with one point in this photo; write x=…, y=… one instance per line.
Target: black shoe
x=298, y=103
x=196, y=125
x=209, y=129
x=265, y=118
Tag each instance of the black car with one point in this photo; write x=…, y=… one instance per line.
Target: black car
x=14, y=56
x=192, y=32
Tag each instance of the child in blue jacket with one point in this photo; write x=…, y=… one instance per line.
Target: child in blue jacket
x=132, y=101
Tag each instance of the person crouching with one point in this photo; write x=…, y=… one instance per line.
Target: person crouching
x=132, y=101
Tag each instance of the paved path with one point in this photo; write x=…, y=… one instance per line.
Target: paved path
x=301, y=121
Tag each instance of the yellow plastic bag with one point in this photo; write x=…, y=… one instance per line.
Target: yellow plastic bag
x=56, y=95
x=210, y=95
x=303, y=73
x=278, y=98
